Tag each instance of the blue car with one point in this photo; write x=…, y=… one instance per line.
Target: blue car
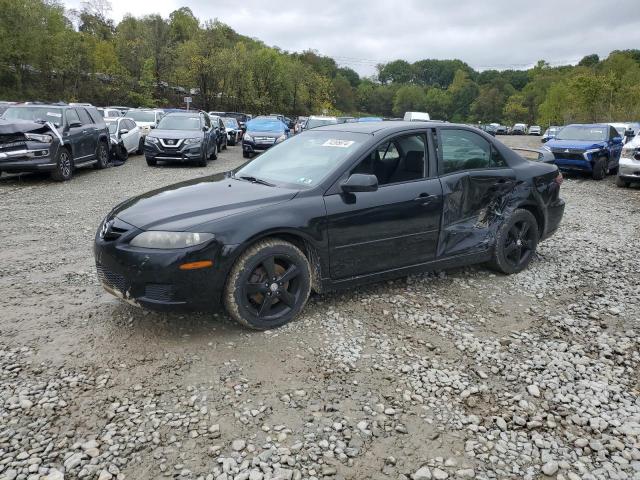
x=593, y=149
x=263, y=133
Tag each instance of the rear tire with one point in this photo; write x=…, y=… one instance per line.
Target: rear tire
x=516, y=243
x=621, y=183
x=64, y=166
x=140, y=150
x=600, y=169
x=224, y=143
x=102, y=155
x=152, y=162
x=246, y=154
x=268, y=285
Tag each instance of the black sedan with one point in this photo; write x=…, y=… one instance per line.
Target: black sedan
x=332, y=207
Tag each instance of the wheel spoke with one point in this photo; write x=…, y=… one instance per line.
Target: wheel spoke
x=270, y=267
x=291, y=273
x=253, y=288
x=287, y=298
x=265, y=308
x=524, y=231
x=509, y=249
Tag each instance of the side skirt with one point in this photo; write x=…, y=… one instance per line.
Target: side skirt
x=439, y=264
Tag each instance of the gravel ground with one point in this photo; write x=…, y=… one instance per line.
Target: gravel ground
x=456, y=374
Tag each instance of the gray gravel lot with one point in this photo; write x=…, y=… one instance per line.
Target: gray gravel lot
x=456, y=374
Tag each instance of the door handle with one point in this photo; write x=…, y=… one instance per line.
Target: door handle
x=425, y=198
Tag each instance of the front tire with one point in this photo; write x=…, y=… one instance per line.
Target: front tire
x=203, y=160
x=152, y=162
x=64, y=166
x=516, y=243
x=140, y=150
x=268, y=285
x=224, y=143
x=246, y=154
x=102, y=155
x=621, y=183
x=214, y=155
x=600, y=168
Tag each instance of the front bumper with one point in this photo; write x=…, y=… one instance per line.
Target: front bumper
x=253, y=147
x=574, y=164
x=629, y=168
x=34, y=157
x=152, y=279
x=184, y=153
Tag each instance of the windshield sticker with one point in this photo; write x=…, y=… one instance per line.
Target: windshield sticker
x=332, y=142
x=54, y=114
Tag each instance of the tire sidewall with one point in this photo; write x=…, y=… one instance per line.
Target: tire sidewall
x=237, y=306
x=103, y=160
x=59, y=175
x=499, y=260
x=600, y=168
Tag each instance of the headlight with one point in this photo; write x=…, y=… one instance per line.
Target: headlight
x=628, y=153
x=592, y=150
x=281, y=138
x=150, y=140
x=188, y=141
x=248, y=137
x=154, y=239
x=36, y=137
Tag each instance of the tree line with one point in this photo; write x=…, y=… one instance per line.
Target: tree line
x=48, y=53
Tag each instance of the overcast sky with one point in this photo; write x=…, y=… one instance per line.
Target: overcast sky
x=360, y=33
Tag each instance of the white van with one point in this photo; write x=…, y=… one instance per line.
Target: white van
x=416, y=117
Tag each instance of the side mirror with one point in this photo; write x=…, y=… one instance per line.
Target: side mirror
x=629, y=133
x=124, y=131
x=360, y=182
x=75, y=124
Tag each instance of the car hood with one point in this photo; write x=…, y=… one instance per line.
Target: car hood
x=175, y=133
x=576, y=144
x=145, y=124
x=183, y=206
x=9, y=127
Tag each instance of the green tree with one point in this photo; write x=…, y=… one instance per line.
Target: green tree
x=409, y=98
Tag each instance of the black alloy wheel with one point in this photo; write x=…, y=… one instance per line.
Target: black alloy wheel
x=516, y=242
x=600, y=168
x=102, y=155
x=268, y=286
x=64, y=166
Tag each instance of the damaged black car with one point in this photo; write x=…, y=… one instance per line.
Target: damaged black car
x=52, y=138
x=332, y=207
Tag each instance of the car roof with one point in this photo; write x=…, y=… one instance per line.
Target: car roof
x=373, y=128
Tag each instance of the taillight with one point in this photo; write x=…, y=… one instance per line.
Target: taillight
x=559, y=178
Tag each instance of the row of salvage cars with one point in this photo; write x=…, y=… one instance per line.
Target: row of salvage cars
x=593, y=149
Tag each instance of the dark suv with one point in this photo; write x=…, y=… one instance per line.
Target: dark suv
x=55, y=138
x=182, y=137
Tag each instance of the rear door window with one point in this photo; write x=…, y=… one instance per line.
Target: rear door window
x=84, y=116
x=72, y=116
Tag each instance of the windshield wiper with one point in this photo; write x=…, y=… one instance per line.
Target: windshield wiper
x=256, y=180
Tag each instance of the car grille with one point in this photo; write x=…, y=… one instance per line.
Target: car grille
x=12, y=142
x=569, y=156
x=111, y=232
x=111, y=279
x=159, y=292
x=265, y=140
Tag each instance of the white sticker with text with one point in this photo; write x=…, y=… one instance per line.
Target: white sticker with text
x=338, y=143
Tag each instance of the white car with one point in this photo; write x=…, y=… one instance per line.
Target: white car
x=125, y=137
x=629, y=165
x=315, y=121
x=108, y=113
x=416, y=117
x=145, y=119
x=626, y=130
x=535, y=130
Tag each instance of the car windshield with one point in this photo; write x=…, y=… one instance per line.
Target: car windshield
x=179, y=122
x=320, y=122
x=265, y=125
x=230, y=122
x=582, y=132
x=35, y=114
x=142, y=116
x=304, y=160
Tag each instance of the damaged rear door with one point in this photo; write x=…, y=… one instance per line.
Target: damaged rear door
x=477, y=186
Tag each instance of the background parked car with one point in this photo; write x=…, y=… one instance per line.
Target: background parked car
x=593, y=149
x=416, y=116
x=220, y=132
x=146, y=120
x=626, y=130
x=519, y=129
x=125, y=137
x=535, y=130
x=234, y=132
x=73, y=137
x=263, y=133
x=182, y=137
x=629, y=166
x=242, y=118
x=110, y=113
x=550, y=133
x=490, y=129
x=316, y=121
